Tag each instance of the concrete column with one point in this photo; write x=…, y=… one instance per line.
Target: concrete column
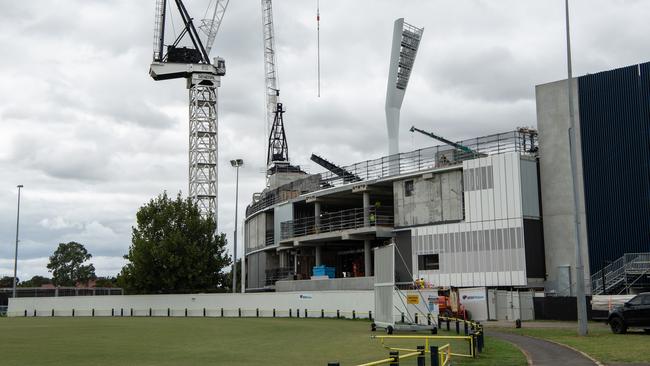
x=295, y=262
x=243, y=274
x=366, y=208
x=366, y=258
x=317, y=216
x=319, y=255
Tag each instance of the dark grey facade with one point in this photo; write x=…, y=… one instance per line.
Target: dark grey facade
x=615, y=138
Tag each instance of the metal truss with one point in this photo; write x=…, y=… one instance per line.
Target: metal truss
x=270, y=71
x=203, y=142
x=210, y=27
x=278, y=149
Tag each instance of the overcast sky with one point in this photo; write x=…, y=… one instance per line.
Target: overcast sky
x=92, y=137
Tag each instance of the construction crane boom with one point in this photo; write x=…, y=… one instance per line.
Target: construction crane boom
x=341, y=172
x=210, y=27
x=444, y=140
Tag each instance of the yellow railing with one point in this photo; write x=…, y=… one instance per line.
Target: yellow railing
x=444, y=354
x=421, y=318
x=474, y=325
x=393, y=358
x=427, y=340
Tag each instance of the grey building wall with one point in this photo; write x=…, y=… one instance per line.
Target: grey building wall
x=436, y=197
x=529, y=188
x=556, y=186
x=256, y=270
x=255, y=232
x=282, y=213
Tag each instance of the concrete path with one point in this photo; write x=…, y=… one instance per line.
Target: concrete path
x=541, y=352
x=538, y=324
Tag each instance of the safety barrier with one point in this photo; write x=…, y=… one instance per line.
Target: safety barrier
x=472, y=343
x=201, y=312
x=471, y=329
x=440, y=355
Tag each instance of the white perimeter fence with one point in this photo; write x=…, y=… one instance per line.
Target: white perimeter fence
x=344, y=304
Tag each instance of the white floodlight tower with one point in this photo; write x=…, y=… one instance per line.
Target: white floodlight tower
x=203, y=78
x=406, y=41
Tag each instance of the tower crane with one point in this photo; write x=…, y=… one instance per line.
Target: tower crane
x=203, y=76
x=277, y=157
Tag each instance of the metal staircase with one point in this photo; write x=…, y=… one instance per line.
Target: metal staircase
x=632, y=270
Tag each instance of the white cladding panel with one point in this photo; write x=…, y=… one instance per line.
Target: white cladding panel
x=487, y=248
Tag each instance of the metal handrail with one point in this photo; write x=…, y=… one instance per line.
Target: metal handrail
x=336, y=221
x=617, y=271
x=278, y=274
x=417, y=160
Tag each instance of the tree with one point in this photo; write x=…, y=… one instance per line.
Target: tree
x=7, y=281
x=228, y=278
x=174, y=249
x=67, y=265
x=106, y=282
x=36, y=281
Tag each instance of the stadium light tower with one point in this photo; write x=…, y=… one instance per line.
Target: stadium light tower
x=406, y=41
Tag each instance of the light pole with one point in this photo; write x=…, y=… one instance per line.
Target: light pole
x=16, y=251
x=580, y=271
x=236, y=164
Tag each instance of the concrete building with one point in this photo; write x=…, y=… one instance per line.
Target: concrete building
x=612, y=111
x=499, y=216
x=458, y=219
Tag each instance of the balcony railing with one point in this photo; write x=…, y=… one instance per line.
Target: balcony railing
x=269, y=239
x=522, y=141
x=278, y=274
x=336, y=221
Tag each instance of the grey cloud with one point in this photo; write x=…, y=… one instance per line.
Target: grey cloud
x=93, y=138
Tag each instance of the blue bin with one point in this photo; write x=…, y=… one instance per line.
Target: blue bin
x=324, y=271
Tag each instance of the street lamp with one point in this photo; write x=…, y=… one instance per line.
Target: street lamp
x=16, y=252
x=236, y=164
x=580, y=272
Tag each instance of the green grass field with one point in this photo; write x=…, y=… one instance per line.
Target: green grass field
x=600, y=343
x=205, y=341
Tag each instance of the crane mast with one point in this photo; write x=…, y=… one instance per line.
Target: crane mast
x=203, y=78
x=277, y=156
x=270, y=72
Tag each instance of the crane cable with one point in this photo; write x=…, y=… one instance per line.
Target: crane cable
x=318, y=41
x=171, y=18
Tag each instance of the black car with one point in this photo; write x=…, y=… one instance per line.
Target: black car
x=633, y=314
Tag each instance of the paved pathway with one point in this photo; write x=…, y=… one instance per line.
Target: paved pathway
x=538, y=324
x=541, y=352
